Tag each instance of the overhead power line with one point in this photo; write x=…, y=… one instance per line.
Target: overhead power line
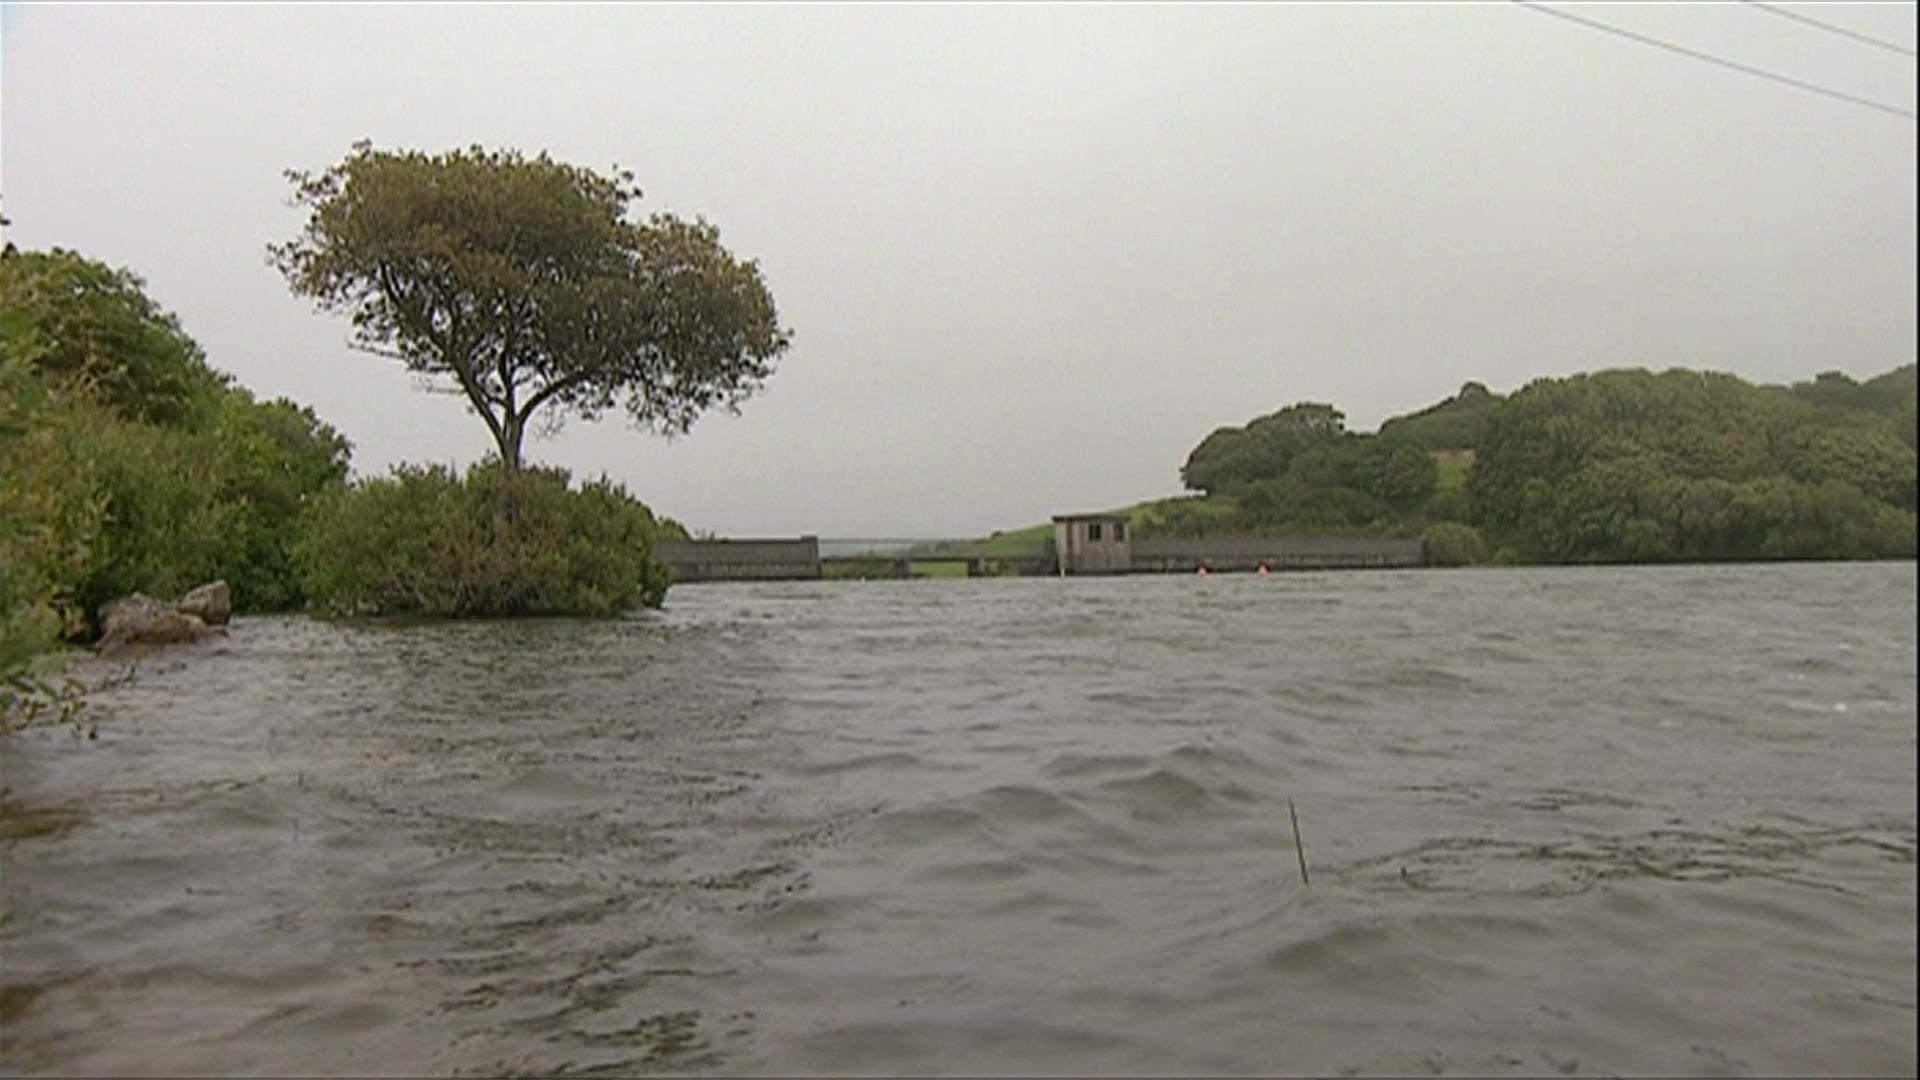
x=1866, y=39
x=1774, y=76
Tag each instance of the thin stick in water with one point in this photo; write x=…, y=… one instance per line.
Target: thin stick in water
x=1299, y=848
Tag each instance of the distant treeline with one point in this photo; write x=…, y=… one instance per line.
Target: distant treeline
x=1612, y=466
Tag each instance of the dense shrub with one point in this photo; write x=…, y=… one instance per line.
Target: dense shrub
x=1282, y=506
x=1231, y=458
x=425, y=541
x=129, y=464
x=163, y=526
x=41, y=521
x=1453, y=424
x=1449, y=504
x=1449, y=543
x=1401, y=475
x=1612, y=466
x=269, y=460
x=77, y=322
x=1632, y=466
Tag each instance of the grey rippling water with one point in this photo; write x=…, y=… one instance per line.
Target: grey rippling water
x=1558, y=821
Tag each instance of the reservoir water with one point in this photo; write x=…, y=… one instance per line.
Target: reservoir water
x=1557, y=821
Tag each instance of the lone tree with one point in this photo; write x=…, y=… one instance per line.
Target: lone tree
x=523, y=282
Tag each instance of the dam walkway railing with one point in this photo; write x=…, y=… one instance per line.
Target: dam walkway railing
x=806, y=558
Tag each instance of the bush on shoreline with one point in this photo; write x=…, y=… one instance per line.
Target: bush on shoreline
x=35, y=550
x=132, y=465
x=426, y=541
x=1449, y=543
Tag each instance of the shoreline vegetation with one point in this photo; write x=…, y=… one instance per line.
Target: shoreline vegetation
x=131, y=468
x=129, y=464
x=1615, y=466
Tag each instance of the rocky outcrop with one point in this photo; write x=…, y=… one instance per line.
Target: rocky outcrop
x=211, y=603
x=142, y=620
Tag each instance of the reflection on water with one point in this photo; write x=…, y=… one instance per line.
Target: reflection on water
x=1558, y=821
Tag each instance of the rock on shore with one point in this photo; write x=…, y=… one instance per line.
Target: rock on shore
x=212, y=603
x=140, y=619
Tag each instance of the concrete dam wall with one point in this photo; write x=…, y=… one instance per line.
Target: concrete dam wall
x=1106, y=544
x=1090, y=550
x=740, y=560
x=1173, y=554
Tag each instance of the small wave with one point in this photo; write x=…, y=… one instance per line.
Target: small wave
x=1076, y=765
x=1580, y=863
x=805, y=914
x=1217, y=759
x=1403, y=676
x=1038, y=900
x=1566, y=799
x=926, y=825
x=1164, y=795
x=550, y=785
x=1021, y=803
x=895, y=760
x=975, y=871
x=1378, y=962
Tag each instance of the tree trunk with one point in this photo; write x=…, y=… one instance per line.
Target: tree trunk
x=505, y=512
x=512, y=430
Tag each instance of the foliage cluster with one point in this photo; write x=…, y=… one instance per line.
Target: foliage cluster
x=131, y=465
x=1300, y=470
x=1233, y=457
x=1610, y=466
x=425, y=541
x=522, y=283
x=1637, y=466
x=77, y=322
x=1451, y=543
x=37, y=523
x=1889, y=394
x=1453, y=424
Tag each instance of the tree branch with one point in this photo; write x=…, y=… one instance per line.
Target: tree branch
x=545, y=394
x=460, y=365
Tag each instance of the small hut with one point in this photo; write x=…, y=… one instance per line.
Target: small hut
x=1093, y=543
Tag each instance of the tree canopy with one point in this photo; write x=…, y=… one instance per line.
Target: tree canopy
x=1232, y=457
x=77, y=321
x=1612, y=466
x=1632, y=465
x=1453, y=424
x=523, y=283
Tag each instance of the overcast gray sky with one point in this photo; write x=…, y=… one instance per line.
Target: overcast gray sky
x=1031, y=255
